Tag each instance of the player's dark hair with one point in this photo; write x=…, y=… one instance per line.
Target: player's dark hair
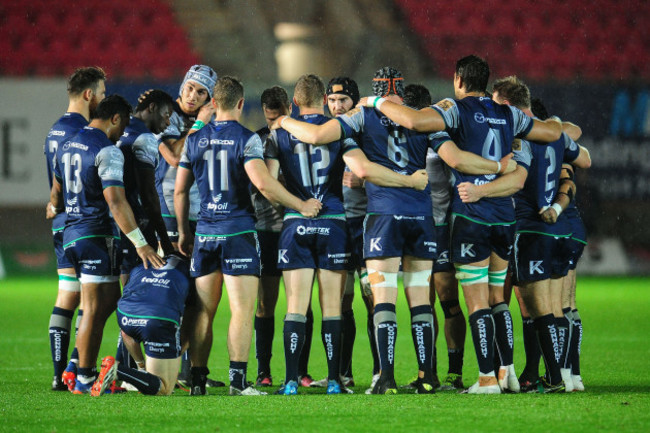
x=227, y=92
x=344, y=86
x=417, y=96
x=309, y=91
x=475, y=73
x=275, y=98
x=538, y=109
x=388, y=81
x=112, y=105
x=514, y=90
x=158, y=97
x=85, y=78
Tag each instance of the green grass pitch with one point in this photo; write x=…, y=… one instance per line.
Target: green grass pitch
x=615, y=367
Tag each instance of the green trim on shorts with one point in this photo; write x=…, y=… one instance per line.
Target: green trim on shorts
x=228, y=235
x=292, y=215
x=149, y=317
x=542, y=233
x=57, y=230
x=482, y=222
x=579, y=240
x=92, y=236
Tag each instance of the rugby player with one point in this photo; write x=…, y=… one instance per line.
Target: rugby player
x=150, y=313
x=399, y=226
x=88, y=185
x=86, y=88
x=222, y=156
x=275, y=103
x=318, y=245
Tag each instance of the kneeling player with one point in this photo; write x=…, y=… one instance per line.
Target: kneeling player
x=150, y=312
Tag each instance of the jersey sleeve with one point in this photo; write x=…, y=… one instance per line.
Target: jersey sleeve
x=110, y=166
x=175, y=128
x=522, y=123
x=271, y=147
x=571, y=149
x=56, y=170
x=253, y=149
x=351, y=122
x=349, y=144
x=145, y=150
x=436, y=139
x=523, y=154
x=448, y=109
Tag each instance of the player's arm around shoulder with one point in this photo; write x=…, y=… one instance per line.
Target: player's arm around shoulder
x=503, y=186
x=309, y=132
x=359, y=164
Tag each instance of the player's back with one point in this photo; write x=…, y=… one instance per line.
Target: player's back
x=216, y=154
x=140, y=149
x=311, y=171
x=85, y=165
x=485, y=128
x=544, y=165
x=157, y=293
x=395, y=147
x=65, y=128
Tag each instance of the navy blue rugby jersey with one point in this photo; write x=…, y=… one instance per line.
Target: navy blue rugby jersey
x=397, y=148
x=216, y=154
x=544, y=165
x=140, y=149
x=85, y=165
x=179, y=124
x=311, y=171
x=485, y=128
x=157, y=293
x=65, y=128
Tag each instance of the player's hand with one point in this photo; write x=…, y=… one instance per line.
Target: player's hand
x=50, y=211
x=277, y=124
x=419, y=180
x=469, y=193
x=185, y=244
x=351, y=180
x=548, y=215
x=144, y=95
x=206, y=112
x=150, y=257
x=508, y=165
x=310, y=208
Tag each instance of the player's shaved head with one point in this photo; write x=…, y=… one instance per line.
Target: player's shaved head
x=227, y=92
x=512, y=90
x=309, y=91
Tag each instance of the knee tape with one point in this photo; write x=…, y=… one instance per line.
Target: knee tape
x=382, y=279
x=450, y=308
x=468, y=275
x=497, y=278
x=365, y=284
x=69, y=283
x=417, y=279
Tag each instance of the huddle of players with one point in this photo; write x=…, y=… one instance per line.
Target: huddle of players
x=222, y=156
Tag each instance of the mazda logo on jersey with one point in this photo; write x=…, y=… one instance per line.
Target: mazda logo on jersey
x=204, y=142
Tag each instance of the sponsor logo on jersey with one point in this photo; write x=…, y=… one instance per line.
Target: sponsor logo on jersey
x=222, y=142
x=480, y=118
x=74, y=145
x=130, y=321
x=156, y=281
x=203, y=142
x=56, y=133
x=216, y=206
x=159, y=274
x=549, y=198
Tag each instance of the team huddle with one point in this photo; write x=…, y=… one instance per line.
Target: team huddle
x=175, y=199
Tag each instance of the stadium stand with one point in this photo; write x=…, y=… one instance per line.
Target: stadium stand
x=132, y=40
x=552, y=40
